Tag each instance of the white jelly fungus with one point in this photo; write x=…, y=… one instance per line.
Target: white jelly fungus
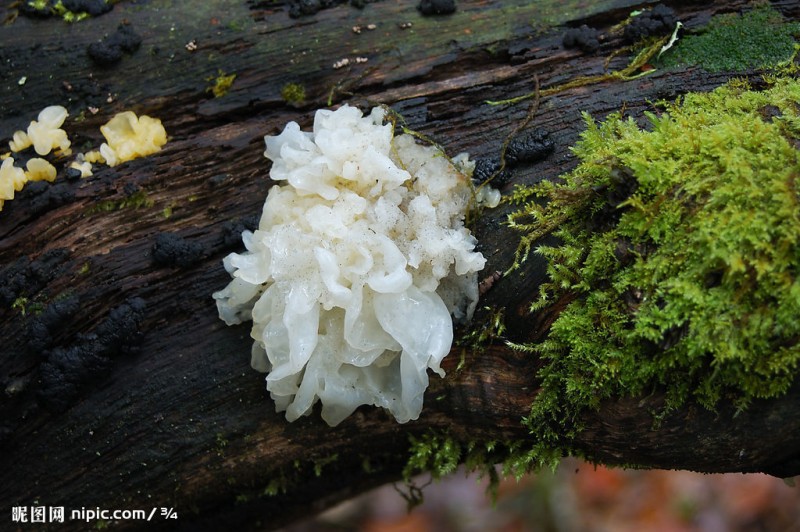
x=359, y=264
x=129, y=137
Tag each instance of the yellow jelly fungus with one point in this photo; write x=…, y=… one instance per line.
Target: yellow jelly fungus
x=93, y=157
x=45, y=134
x=129, y=137
x=40, y=170
x=12, y=179
x=20, y=141
x=85, y=167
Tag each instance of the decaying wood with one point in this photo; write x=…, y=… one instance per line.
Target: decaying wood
x=181, y=420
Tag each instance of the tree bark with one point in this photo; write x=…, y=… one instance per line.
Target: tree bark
x=155, y=403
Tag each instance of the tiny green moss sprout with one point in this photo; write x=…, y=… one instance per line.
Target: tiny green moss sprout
x=293, y=94
x=490, y=329
x=20, y=304
x=222, y=83
x=679, y=255
x=322, y=462
x=760, y=38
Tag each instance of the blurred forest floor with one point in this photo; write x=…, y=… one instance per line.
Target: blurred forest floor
x=576, y=497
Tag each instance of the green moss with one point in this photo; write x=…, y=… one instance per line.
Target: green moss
x=21, y=304
x=137, y=200
x=293, y=94
x=680, y=253
x=438, y=453
x=276, y=486
x=322, y=462
x=757, y=39
x=221, y=84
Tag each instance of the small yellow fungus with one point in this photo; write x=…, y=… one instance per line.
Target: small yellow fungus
x=12, y=179
x=20, y=141
x=40, y=170
x=93, y=157
x=129, y=137
x=45, y=134
x=85, y=167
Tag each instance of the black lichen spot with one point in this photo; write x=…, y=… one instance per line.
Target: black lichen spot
x=302, y=8
x=93, y=8
x=170, y=249
x=299, y=8
x=584, y=38
x=531, y=147
x=361, y=4
x=217, y=180
x=660, y=20
x=72, y=174
x=486, y=167
x=69, y=369
x=46, y=326
x=232, y=230
x=25, y=277
x=769, y=113
x=109, y=50
x=437, y=7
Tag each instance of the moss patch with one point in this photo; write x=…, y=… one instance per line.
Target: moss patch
x=137, y=200
x=680, y=249
x=757, y=39
x=293, y=94
x=221, y=84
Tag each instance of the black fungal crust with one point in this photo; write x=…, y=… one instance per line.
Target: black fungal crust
x=44, y=328
x=46, y=196
x=24, y=277
x=528, y=148
x=110, y=49
x=170, y=249
x=660, y=20
x=69, y=369
x=486, y=167
x=437, y=7
x=531, y=147
x=584, y=38
x=47, y=9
